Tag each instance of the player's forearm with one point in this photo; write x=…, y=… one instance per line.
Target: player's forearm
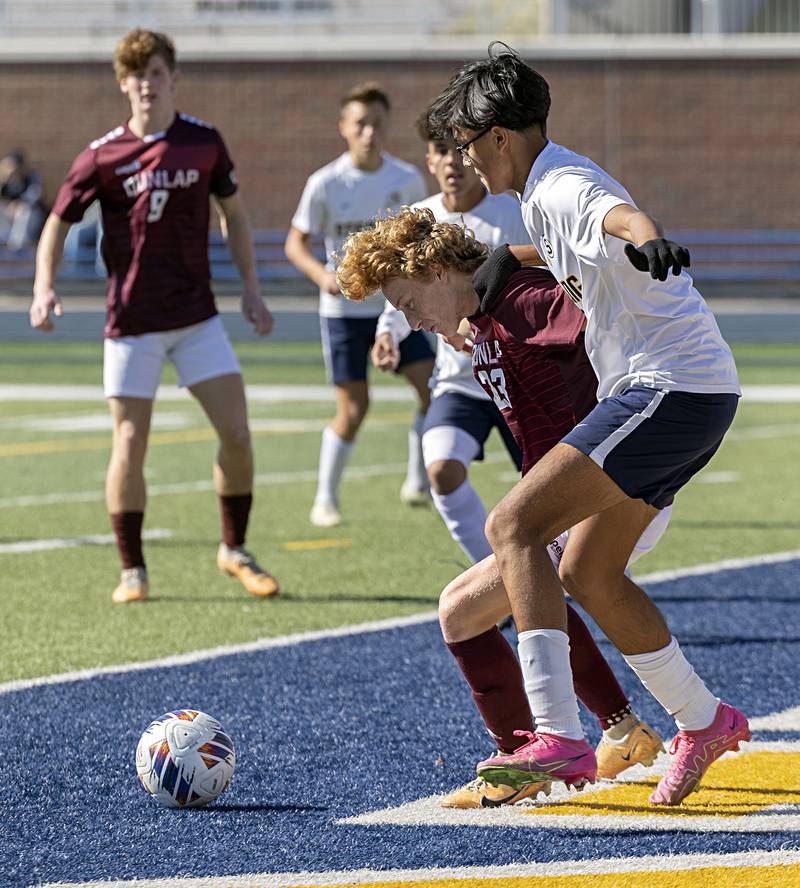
x=631, y=225
x=304, y=260
x=50, y=250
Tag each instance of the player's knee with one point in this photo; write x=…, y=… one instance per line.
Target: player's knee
x=129, y=443
x=454, y=610
x=503, y=527
x=236, y=439
x=583, y=577
x=446, y=476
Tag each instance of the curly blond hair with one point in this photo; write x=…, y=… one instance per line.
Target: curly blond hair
x=407, y=244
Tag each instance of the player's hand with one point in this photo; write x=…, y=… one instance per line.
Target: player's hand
x=256, y=312
x=330, y=284
x=385, y=353
x=45, y=301
x=657, y=256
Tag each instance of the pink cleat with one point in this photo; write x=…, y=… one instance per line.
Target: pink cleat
x=543, y=758
x=695, y=751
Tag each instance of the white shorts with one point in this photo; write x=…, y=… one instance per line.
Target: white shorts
x=132, y=364
x=647, y=541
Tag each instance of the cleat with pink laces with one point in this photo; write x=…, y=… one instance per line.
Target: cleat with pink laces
x=695, y=751
x=544, y=757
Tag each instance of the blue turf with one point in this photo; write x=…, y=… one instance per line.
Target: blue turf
x=332, y=728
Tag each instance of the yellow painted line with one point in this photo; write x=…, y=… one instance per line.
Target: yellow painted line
x=75, y=445
x=750, y=876
x=733, y=787
x=311, y=545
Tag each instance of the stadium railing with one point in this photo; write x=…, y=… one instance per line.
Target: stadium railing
x=724, y=256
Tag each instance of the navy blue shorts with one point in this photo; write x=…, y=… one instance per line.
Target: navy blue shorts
x=474, y=416
x=650, y=442
x=347, y=342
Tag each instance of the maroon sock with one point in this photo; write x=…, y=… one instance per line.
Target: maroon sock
x=128, y=529
x=235, y=511
x=493, y=673
x=595, y=684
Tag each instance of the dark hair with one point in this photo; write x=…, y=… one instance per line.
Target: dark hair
x=426, y=129
x=498, y=91
x=366, y=93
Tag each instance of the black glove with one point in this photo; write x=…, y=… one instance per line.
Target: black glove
x=491, y=278
x=657, y=256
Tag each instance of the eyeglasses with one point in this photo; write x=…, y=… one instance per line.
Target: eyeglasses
x=462, y=149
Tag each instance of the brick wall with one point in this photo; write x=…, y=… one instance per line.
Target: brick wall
x=699, y=143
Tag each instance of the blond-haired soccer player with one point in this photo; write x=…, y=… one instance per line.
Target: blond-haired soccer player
x=668, y=391
x=153, y=177
x=530, y=359
x=345, y=196
x=461, y=416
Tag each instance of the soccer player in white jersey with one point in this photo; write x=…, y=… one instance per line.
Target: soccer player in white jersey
x=345, y=196
x=461, y=416
x=668, y=391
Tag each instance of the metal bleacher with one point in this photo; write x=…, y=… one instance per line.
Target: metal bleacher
x=730, y=260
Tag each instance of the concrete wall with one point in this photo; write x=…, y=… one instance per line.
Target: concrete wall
x=700, y=143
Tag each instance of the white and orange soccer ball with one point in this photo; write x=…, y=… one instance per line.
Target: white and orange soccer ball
x=185, y=759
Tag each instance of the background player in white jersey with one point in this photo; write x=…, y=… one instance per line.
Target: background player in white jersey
x=461, y=416
x=153, y=177
x=342, y=197
x=668, y=392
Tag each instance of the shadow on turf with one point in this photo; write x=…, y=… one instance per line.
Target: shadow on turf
x=733, y=525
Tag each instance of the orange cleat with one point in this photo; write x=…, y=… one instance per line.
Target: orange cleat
x=133, y=586
x=238, y=562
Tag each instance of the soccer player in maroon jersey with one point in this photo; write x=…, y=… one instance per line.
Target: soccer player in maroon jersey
x=153, y=177
x=528, y=352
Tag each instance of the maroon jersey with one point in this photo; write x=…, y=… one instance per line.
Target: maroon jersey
x=154, y=196
x=529, y=357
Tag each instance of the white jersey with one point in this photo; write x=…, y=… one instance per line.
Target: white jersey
x=340, y=199
x=638, y=330
x=494, y=221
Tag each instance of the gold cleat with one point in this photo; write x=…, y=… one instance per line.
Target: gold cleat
x=133, y=586
x=239, y=563
x=639, y=746
x=480, y=794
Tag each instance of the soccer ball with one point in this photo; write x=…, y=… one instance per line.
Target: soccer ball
x=185, y=759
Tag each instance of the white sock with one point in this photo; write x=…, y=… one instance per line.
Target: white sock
x=416, y=476
x=544, y=657
x=464, y=516
x=671, y=679
x=333, y=456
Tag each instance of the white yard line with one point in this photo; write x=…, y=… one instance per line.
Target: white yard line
x=786, y=394
x=260, y=393
x=45, y=545
x=601, y=866
x=262, y=644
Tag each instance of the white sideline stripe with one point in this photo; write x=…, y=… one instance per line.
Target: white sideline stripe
x=90, y=422
x=270, y=394
x=601, y=866
x=226, y=650
x=699, y=570
x=788, y=394
x=45, y=545
x=428, y=811
x=788, y=720
x=261, y=644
